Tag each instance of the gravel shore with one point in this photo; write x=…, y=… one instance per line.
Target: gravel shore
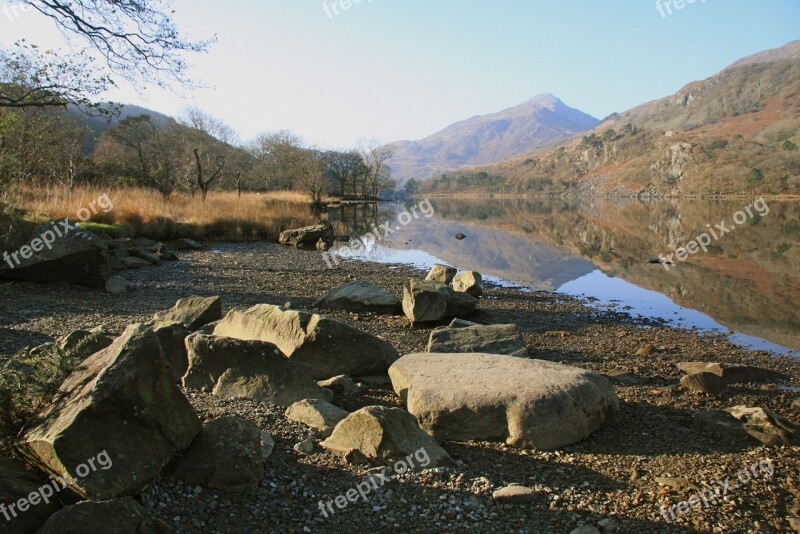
x=607, y=480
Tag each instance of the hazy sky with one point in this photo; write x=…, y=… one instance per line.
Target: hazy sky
x=403, y=69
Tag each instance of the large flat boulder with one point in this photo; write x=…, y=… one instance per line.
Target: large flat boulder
x=255, y=370
x=320, y=346
x=428, y=301
x=489, y=339
x=122, y=403
x=361, y=296
x=384, y=435
x=193, y=312
x=116, y=516
x=524, y=402
x=60, y=252
x=307, y=236
x=227, y=455
x=24, y=514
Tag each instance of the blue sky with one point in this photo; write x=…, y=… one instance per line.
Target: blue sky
x=403, y=69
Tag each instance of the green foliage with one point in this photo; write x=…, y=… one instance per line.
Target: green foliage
x=789, y=146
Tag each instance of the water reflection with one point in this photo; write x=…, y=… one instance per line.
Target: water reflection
x=749, y=280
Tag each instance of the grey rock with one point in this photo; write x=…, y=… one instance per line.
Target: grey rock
x=491, y=339
x=360, y=296
x=741, y=422
x=441, y=273
x=116, y=516
x=525, y=402
x=704, y=382
x=384, y=435
x=427, y=301
x=320, y=346
x=255, y=370
x=469, y=282
x=316, y=414
x=306, y=237
x=194, y=312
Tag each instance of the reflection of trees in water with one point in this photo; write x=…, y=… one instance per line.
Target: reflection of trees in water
x=360, y=219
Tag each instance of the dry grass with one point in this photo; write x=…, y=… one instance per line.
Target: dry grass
x=143, y=212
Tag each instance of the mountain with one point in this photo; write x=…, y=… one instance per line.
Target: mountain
x=731, y=134
x=98, y=125
x=489, y=138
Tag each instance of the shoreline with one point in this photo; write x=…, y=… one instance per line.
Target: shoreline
x=610, y=475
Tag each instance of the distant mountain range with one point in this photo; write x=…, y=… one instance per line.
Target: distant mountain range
x=537, y=123
x=734, y=133
x=98, y=125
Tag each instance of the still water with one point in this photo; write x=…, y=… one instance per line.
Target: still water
x=747, y=280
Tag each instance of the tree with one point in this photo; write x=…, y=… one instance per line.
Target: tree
x=378, y=177
x=311, y=173
x=210, y=140
x=276, y=155
x=755, y=177
x=411, y=187
x=345, y=169
x=137, y=39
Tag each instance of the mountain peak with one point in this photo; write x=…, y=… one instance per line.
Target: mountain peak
x=544, y=100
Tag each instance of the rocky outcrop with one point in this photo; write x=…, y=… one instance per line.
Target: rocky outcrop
x=320, y=346
x=306, y=237
x=384, y=435
x=60, y=252
x=194, y=312
x=741, y=422
x=491, y=339
x=469, y=282
x=526, y=403
x=360, y=296
x=255, y=370
x=426, y=301
x=17, y=484
x=441, y=273
x=120, y=516
x=227, y=455
x=122, y=402
x=314, y=413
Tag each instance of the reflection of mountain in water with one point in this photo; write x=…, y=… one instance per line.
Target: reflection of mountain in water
x=748, y=280
x=497, y=253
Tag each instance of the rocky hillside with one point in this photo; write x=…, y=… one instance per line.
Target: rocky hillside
x=731, y=134
x=499, y=136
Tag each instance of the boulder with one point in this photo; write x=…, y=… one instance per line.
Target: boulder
x=81, y=344
x=320, y=346
x=194, y=312
x=116, y=516
x=66, y=254
x=122, y=402
x=514, y=495
x=426, y=301
x=146, y=255
x=255, y=370
x=461, y=323
x=17, y=486
x=134, y=263
x=165, y=254
x=469, y=282
x=116, y=285
x=340, y=385
x=307, y=236
x=441, y=273
x=317, y=414
x=227, y=455
x=172, y=337
x=491, y=339
x=704, y=382
x=360, y=296
x=384, y=435
x=741, y=421
x=730, y=373
x=527, y=403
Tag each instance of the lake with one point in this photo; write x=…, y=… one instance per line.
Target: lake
x=743, y=277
